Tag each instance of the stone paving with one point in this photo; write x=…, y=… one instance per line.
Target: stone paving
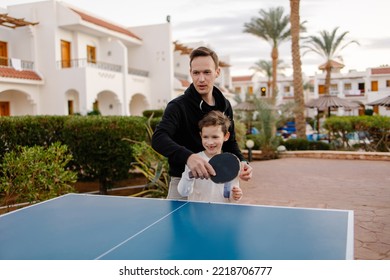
x=359, y=185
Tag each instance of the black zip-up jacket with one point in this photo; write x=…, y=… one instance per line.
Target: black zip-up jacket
x=177, y=135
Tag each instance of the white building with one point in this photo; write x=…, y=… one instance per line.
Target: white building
x=361, y=87
x=56, y=59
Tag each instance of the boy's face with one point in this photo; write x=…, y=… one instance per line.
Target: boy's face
x=212, y=139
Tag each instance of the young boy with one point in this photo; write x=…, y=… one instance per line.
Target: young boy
x=214, y=131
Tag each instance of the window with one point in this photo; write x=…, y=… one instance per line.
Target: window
x=347, y=86
x=387, y=83
x=91, y=54
x=374, y=85
x=250, y=90
x=3, y=54
x=237, y=89
x=321, y=89
x=361, y=88
x=287, y=89
x=65, y=54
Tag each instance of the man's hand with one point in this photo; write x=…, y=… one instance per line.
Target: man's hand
x=199, y=167
x=246, y=171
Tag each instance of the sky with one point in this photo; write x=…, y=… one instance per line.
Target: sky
x=220, y=24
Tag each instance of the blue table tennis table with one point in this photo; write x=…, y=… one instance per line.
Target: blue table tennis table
x=91, y=227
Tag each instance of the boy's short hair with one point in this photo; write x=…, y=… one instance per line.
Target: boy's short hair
x=203, y=51
x=215, y=118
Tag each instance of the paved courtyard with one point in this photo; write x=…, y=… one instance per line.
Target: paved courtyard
x=359, y=185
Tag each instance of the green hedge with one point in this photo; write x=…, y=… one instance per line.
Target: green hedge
x=304, y=144
x=96, y=142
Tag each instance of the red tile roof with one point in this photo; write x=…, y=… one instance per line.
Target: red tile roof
x=333, y=64
x=185, y=83
x=382, y=70
x=242, y=79
x=105, y=24
x=7, y=72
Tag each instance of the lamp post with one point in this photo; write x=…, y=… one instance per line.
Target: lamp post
x=250, y=144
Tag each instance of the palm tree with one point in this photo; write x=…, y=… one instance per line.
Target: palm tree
x=328, y=45
x=265, y=67
x=272, y=26
x=300, y=122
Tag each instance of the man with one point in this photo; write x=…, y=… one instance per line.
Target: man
x=177, y=135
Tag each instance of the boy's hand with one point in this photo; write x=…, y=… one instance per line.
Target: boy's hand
x=236, y=193
x=246, y=171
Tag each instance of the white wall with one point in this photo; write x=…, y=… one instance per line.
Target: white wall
x=156, y=55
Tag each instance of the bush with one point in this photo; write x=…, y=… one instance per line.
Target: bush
x=154, y=113
x=32, y=174
x=304, y=144
x=30, y=131
x=98, y=146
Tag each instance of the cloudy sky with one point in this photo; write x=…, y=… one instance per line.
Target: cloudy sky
x=220, y=23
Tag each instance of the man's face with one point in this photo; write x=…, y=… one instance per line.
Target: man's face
x=203, y=74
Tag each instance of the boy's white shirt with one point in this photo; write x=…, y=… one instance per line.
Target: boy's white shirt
x=203, y=189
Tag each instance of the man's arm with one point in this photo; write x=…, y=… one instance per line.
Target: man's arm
x=162, y=139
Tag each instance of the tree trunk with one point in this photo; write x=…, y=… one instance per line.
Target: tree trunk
x=275, y=57
x=300, y=122
x=328, y=70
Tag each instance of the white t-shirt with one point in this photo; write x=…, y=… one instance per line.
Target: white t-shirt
x=204, y=189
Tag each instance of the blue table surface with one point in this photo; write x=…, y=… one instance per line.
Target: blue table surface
x=87, y=227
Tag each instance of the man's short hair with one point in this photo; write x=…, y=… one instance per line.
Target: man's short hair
x=203, y=51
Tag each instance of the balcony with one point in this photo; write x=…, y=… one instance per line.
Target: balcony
x=84, y=63
x=16, y=63
x=17, y=70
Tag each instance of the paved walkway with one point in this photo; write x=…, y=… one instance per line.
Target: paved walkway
x=359, y=185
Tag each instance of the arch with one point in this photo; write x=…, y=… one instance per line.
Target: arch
x=20, y=103
x=73, y=102
x=138, y=104
x=108, y=104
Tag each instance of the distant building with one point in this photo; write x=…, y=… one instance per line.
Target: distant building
x=361, y=87
x=61, y=60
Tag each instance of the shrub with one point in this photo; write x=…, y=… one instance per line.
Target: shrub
x=31, y=174
x=152, y=165
x=98, y=146
x=29, y=131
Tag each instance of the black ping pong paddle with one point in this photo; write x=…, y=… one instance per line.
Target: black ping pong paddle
x=226, y=167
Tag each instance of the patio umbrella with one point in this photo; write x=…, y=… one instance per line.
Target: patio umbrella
x=385, y=102
x=326, y=102
x=249, y=108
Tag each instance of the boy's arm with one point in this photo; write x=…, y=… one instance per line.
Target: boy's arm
x=186, y=184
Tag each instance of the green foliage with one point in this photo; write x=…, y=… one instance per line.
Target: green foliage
x=99, y=150
x=94, y=112
x=153, y=113
x=32, y=174
x=256, y=139
x=267, y=137
x=240, y=130
x=339, y=128
x=152, y=165
x=29, y=131
x=377, y=126
x=304, y=144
